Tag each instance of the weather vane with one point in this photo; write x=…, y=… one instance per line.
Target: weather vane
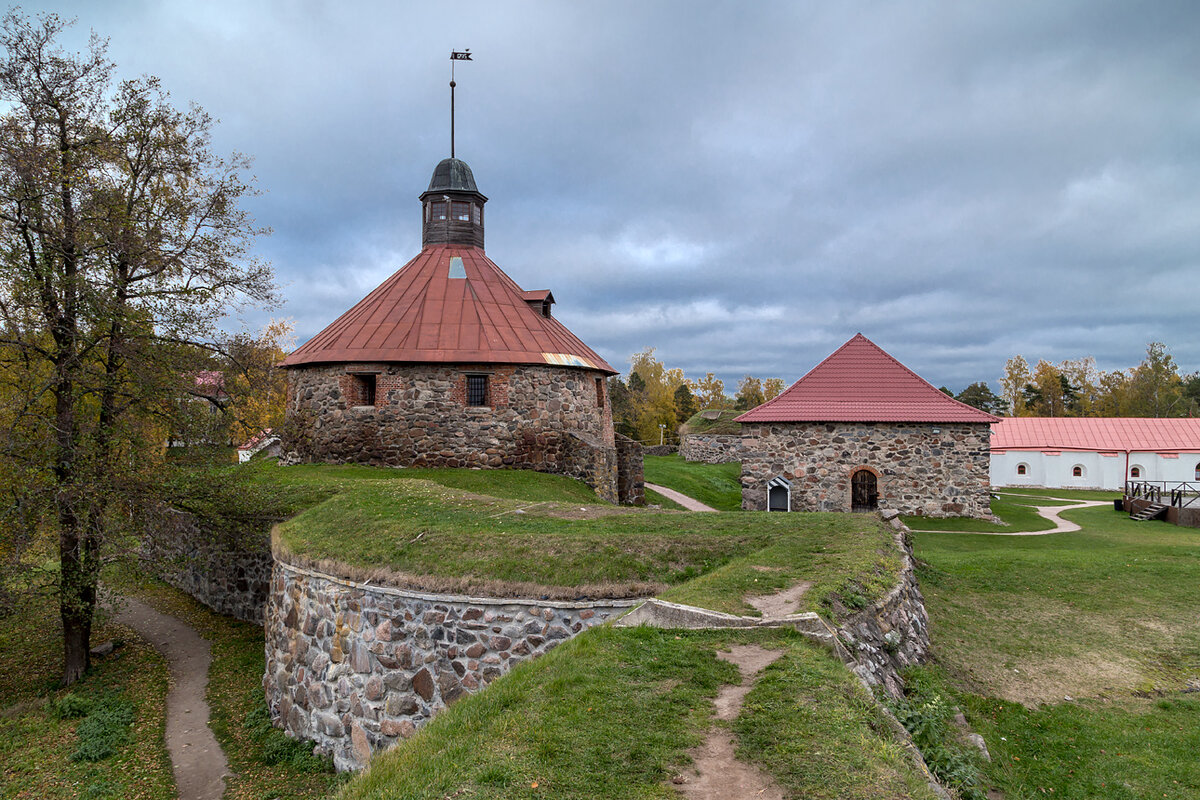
x=455, y=55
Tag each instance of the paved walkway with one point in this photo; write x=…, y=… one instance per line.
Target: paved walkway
x=1049, y=512
x=196, y=758
x=682, y=499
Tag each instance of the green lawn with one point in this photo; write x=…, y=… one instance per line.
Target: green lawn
x=612, y=713
x=44, y=730
x=1105, y=616
x=716, y=485
x=1070, y=494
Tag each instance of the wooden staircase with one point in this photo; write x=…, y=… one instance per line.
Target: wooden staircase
x=1152, y=511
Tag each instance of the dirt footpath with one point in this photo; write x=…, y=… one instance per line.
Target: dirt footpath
x=198, y=761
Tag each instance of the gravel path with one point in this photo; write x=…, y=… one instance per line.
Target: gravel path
x=1049, y=512
x=196, y=758
x=682, y=499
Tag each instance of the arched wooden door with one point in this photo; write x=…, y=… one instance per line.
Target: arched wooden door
x=864, y=491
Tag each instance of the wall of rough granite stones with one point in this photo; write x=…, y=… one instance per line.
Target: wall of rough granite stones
x=552, y=419
x=711, y=448
x=229, y=575
x=936, y=470
x=893, y=633
x=356, y=667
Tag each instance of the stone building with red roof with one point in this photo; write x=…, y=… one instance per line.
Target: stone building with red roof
x=861, y=431
x=449, y=363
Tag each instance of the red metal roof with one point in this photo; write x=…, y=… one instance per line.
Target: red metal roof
x=449, y=304
x=1132, y=434
x=859, y=382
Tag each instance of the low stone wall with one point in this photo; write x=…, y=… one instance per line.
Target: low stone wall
x=711, y=448
x=893, y=633
x=357, y=667
x=660, y=449
x=230, y=576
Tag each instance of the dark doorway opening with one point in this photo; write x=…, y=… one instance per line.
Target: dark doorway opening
x=779, y=494
x=864, y=491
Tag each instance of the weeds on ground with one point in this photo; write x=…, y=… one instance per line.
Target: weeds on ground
x=927, y=714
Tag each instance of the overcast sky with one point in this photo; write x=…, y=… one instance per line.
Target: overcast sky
x=742, y=186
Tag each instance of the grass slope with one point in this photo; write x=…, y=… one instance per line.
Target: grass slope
x=612, y=713
x=1105, y=616
x=716, y=485
x=436, y=536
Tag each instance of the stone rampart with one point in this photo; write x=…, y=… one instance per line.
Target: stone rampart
x=711, y=448
x=229, y=574
x=537, y=417
x=893, y=633
x=935, y=470
x=356, y=667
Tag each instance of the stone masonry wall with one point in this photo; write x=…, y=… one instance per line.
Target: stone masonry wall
x=631, y=477
x=711, y=448
x=918, y=471
x=358, y=667
x=887, y=636
x=230, y=577
x=538, y=417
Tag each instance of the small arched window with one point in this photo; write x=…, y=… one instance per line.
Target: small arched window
x=1022, y=469
x=1135, y=472
x=1198, y=472
x=1077, y=471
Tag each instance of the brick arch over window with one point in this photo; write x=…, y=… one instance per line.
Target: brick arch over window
x=878, y=475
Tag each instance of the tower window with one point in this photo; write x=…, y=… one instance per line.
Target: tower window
x=462, y=211
x=364, y=390
x=439, y=209
x=478, y=212
x=477, y=390
x=599, y=393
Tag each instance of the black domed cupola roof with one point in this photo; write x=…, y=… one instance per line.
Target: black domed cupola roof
x=452, y=206
x=452, y=174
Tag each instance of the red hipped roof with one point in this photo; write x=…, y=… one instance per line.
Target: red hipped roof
x=434, y=311
x=1122, y=434
x=859, y=382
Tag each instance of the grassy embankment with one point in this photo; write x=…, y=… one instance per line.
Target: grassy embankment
x=612, y=713
x=1076, y=655
x=715, y=485
x=453, y=530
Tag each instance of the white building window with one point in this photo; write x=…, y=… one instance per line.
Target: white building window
x=1022, y=469
x=1135, y=471
x=1077, y=471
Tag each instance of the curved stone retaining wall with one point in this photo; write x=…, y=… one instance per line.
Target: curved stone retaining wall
x=356, y=667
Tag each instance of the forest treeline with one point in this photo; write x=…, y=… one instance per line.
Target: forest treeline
x=651, y=401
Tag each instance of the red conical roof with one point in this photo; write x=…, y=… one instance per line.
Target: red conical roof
x=450, y=304
x=859, y=382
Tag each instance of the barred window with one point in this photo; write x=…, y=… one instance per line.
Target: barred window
x=477, y=386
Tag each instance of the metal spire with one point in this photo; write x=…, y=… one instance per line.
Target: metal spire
x=455, y=55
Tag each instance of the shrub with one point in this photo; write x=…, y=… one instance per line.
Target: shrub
x=104, y=729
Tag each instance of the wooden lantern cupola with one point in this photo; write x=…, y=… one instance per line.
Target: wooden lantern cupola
x=452, y=207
